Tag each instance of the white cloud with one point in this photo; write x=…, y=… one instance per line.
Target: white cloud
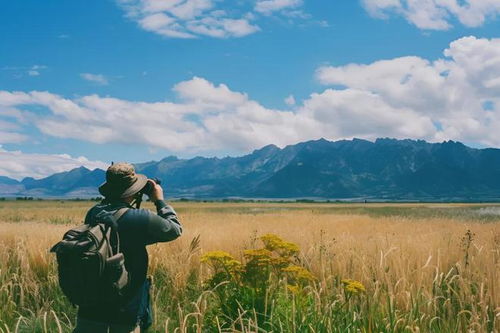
x=290, y=100
x=187, y=18
x=209, y=118
x=35, y=70
x=21, y=71
x=206, y=94
x=8, y=128
x=435, y=14
x=269, y=6
x=356, y=113
x=451, y=92
x=11, y=137
x=454, y=97
x=96, y=78
x=212, y=18
x=38, y=67
x=222, y=28
x=17, y=165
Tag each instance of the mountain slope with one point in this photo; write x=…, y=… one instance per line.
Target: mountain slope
x=8, y=181
x=9, y=186
x=386, y=168
x=80, y=180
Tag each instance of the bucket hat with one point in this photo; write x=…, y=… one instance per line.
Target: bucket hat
x=122, y=181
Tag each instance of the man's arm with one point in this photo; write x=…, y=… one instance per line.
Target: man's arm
x=165, y=226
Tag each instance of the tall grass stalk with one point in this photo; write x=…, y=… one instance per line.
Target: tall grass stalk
x=419, y=274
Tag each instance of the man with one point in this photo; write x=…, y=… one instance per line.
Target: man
x=136, y=228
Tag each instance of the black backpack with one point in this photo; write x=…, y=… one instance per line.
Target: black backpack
x=90, y=265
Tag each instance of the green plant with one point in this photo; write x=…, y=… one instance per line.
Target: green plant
x=251, y=286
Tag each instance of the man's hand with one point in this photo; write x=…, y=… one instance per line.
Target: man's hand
x=157, y=192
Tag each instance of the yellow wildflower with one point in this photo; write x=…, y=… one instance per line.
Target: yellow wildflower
x=293, y=288
x=258, y=257
x=299, y=273
x=353, y=286
x=216, y=255
x=280, y=262
x=271, y=241
x=257, y=253
x=275, y=243
x=221, y=258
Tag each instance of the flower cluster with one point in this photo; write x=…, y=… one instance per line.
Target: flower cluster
x=299, y=273
x=353, y=286
x=277, y=259
x=274, y=243
x=222, y=261
x=258, y=257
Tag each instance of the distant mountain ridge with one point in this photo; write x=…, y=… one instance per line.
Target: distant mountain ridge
x=385, y=169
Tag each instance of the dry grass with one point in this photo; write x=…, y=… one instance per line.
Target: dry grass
x=407, y=264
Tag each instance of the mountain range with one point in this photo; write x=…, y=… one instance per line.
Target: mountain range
x=385, y=169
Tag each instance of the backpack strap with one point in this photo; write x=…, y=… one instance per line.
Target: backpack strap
x=117, y=215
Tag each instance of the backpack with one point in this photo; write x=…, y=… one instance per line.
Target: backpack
x=90, y=265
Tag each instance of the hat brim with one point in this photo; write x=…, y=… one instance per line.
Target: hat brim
x=106, y=189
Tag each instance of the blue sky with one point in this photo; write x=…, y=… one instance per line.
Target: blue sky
x=89, y=82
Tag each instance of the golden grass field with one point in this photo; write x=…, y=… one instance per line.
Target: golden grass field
x=426, y=268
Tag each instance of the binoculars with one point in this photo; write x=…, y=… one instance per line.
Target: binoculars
x=148, y=188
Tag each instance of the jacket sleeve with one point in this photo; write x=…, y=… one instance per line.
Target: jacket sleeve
x=164, y=226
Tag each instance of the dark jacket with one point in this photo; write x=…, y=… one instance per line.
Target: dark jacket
x=136, y=228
